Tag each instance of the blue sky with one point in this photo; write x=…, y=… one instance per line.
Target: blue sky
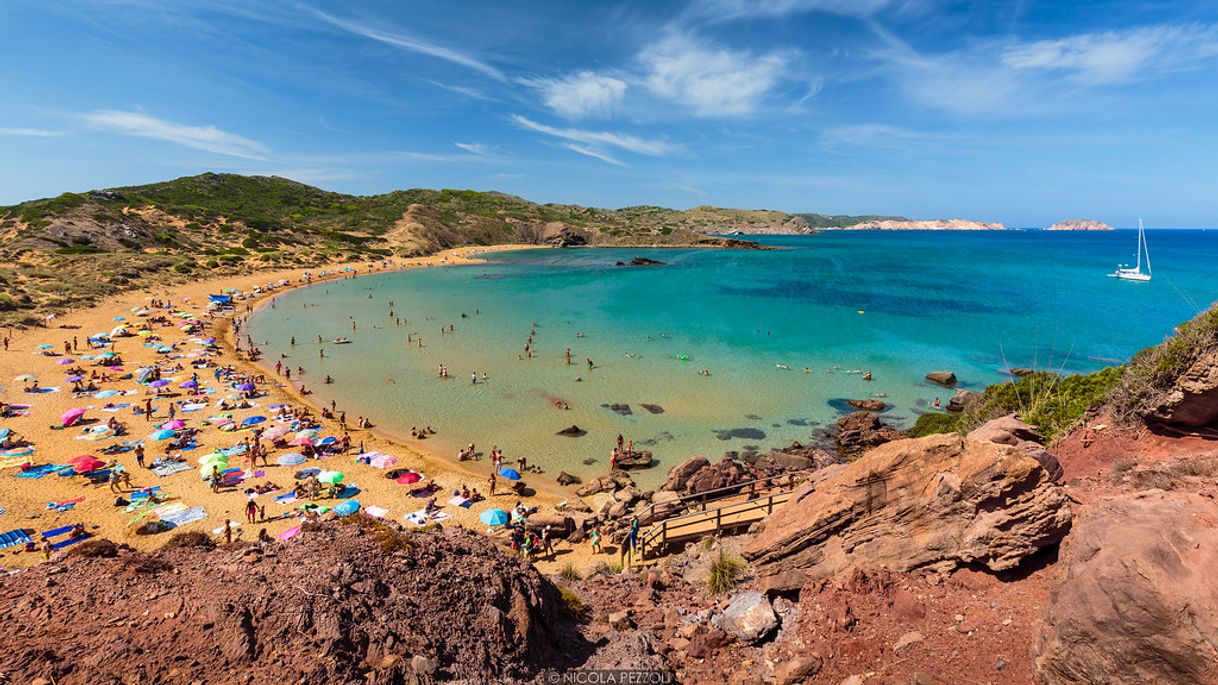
x=1023, y=112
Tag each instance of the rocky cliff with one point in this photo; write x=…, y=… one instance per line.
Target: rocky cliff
x=925, y=225
x=1079, y=225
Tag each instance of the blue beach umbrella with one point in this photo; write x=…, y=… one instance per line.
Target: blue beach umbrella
x=346, y=508
x=46, y=347
x=120, y=318
x=188, y=384
x=494, y=517
x=290, y=459
x=163, y=434
x=252, y=420
x=510, y=474
x=159, y=384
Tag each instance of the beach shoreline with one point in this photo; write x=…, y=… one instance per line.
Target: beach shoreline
x=28, y=504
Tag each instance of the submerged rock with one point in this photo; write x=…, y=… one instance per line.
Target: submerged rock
x=623, y=409
x=573, y=432
x=653, y=408
x=868, y=405
x=934, y=502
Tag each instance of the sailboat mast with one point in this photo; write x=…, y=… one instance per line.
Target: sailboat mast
x=1140, y=233
x=1143, y=246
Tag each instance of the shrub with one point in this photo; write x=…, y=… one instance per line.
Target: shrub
x=1154, y=369
x=191, y=538
x=932, y=423
x=97, y=547
x=1051, y=402
x=569, y=604
x=725, y=573
x=569, y=572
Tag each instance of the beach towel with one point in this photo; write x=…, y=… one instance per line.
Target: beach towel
x=376, y=512
x=220, y=530
x=66, y=504
x=40, y=471
x=116, y=408
x=196, y=406
x=10, y=462
x=17, y=536
x=181, y=518
x=286, y=498
x=54, y=532
x=349, y=490
x=420, y=518
x=143, y=494
x=461, y=501
x=70, y=541
x=380, y=461
x=289, y=533
x=170, y=469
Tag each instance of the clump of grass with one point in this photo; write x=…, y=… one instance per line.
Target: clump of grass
x=605, y=568
x=1051, y=402
x=707, y=543
x=725, y=573
x=930, y=424
x=1155, y=369
x=569, y=572
x=389, y=539
x=191, y=538
x=569, y=604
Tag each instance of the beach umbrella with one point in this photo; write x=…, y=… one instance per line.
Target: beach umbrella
x=214, y=458
x=408, y=478
x=120, y=318
x=301, y=442
x=252, y=420
x=174, y=424
x=88, y=465
x=276, y=432
x=118, y=367
x=158, y=384
x=188, y=384
x=107, y=355
x=308, y=433
x=84, y=457
x=330, y=477
x=347, y=508
x=65, y=361
x=25, y=378
x=142, y=373
x=292, y=459
x=144, y=334
x=71, y=416
x=104, y=394
x=119, y=330
x=494, y=517
x=74, y=378
x=510, y=474
x=46, y=347
x=163, y=434
x=246, y=387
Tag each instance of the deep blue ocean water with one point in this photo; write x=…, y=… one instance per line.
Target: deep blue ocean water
x=897, y=304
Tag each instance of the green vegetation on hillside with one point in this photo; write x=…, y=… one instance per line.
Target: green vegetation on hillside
x=844, y=220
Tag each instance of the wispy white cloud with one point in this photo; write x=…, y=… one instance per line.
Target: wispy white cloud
x=581, y=95
x=1010, y=77
x=882, y=136
x=600, y=139
x=730, y=10
x=413, y=45
x=474, y=148
x=206, y=138
x=1115, y=56
x=603, y=156
x=467, y=91
x=30, y=132
x=714, y=81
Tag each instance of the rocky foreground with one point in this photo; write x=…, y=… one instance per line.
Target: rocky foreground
x=989, y=557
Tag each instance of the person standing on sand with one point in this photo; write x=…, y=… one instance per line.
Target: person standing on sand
x=139, y=455
x=251, y=511
x=595, y=539
x=148, y=409
x=47, y=548
x=490, y=482
x=228, y=531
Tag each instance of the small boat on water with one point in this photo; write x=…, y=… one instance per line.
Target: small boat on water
x=342, y=341
x=1125, y=273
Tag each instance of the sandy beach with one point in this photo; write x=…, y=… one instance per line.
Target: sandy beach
x=54, y=501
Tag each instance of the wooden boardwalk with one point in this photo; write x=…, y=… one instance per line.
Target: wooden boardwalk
x=698, y=524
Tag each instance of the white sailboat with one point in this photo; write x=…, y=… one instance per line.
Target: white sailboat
x=1125, y=273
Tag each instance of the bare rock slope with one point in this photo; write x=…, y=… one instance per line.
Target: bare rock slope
x=1137, y=602
x=933, y=502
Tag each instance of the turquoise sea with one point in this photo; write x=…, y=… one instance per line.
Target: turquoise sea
x=897, y=304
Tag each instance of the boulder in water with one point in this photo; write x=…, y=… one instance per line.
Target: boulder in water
x=573, y=432
x=944, y=378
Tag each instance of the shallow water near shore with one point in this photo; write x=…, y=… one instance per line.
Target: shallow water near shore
x=897, y=304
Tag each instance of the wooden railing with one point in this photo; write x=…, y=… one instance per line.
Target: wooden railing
x=653, y=513
x=707, y=522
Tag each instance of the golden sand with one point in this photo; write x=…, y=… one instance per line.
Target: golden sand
x=25, y=501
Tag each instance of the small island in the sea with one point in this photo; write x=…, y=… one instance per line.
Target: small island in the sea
x=1079, y=225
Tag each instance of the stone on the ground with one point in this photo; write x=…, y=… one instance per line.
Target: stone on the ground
x=748, y=616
